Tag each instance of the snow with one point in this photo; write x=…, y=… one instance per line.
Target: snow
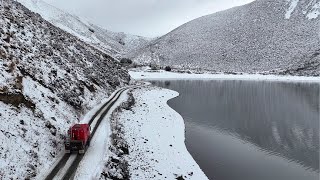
x=86, y=118
x=38, y=5
x=31, y=141
x=315, y=11
x=45, y=71
x=63, y=171
x=34, y=91
x=252, y=38
x=97, y=154
x=29, y=148
x=155, y=136
x=293, y=5
x=101, y=39
x=43, y=174
x=164, y=75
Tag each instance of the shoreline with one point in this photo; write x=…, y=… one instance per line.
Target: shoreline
x=155, y=135
x=164, y=75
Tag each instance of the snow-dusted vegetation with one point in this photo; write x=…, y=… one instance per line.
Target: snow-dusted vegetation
x=270, y=36
x=48, y=80
x=113, y=43
x=55, y=67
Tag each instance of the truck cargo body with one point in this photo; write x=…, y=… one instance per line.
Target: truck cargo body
x=78, y=138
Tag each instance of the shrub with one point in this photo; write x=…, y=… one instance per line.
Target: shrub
x=134, y=65
x=91, y=30
x=12, y=66
x=154, y=67
x=126, y=61
x=167, y=68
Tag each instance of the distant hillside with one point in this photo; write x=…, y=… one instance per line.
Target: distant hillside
x=115, y=44
x=48, y=80
x=270, y=36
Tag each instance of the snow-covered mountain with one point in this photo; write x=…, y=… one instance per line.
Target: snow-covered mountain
x=271, y=36
x=48, y=80
x=115, y=44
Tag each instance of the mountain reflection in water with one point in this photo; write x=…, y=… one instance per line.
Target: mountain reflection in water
x=250, y=129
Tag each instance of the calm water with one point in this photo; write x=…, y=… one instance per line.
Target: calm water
x=250, y=130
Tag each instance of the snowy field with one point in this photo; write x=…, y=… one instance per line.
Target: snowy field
x=155, y=135
x=164, y=75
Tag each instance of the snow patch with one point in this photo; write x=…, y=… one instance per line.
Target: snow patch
x=164, y=75
x=31, y=138
x=293, y=5
x=155, y=137
x=315, y=11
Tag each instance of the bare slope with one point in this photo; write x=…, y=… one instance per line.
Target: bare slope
x=264, y=35
x=48, y=80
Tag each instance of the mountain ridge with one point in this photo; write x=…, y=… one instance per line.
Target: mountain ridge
x=49, y=79
x=254, y=38
x=110, y=42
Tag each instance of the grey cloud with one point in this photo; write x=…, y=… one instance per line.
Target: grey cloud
x=143, y=17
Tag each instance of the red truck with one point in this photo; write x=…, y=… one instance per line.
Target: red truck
x=78, y=138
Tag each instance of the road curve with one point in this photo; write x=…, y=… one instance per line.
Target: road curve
x=71, y=169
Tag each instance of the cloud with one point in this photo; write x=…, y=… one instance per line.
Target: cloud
x=143, y=17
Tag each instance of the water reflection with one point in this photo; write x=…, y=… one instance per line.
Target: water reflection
x=278, y=119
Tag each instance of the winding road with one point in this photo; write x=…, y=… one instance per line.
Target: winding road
x=66, y=167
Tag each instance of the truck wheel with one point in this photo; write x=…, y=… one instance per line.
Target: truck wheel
x=82, y=150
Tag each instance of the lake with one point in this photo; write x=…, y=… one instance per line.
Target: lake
x=251, y=130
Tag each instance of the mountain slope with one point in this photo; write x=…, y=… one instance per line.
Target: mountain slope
x=48, y=80
x=115, y=44
x=265, y=35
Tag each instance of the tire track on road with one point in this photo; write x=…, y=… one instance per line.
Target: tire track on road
x=72, y=169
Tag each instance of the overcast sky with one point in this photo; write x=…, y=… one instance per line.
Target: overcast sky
x=148, y=18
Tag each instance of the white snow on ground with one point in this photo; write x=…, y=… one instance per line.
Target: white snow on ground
x=113, y=43
x=98, y=146
x=293, y=5
x=158, y=75
x=63, y=171
x=86, y=118
x=242, y=39
x=98, y=153
x=48, y=80
x=155, y=135
x=315, y=12
x=25, y=137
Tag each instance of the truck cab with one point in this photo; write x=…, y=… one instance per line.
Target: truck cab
x=78, y=138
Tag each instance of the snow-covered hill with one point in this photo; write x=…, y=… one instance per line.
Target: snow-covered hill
x=270, y=36
x=48, y=80
x=115, y=44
